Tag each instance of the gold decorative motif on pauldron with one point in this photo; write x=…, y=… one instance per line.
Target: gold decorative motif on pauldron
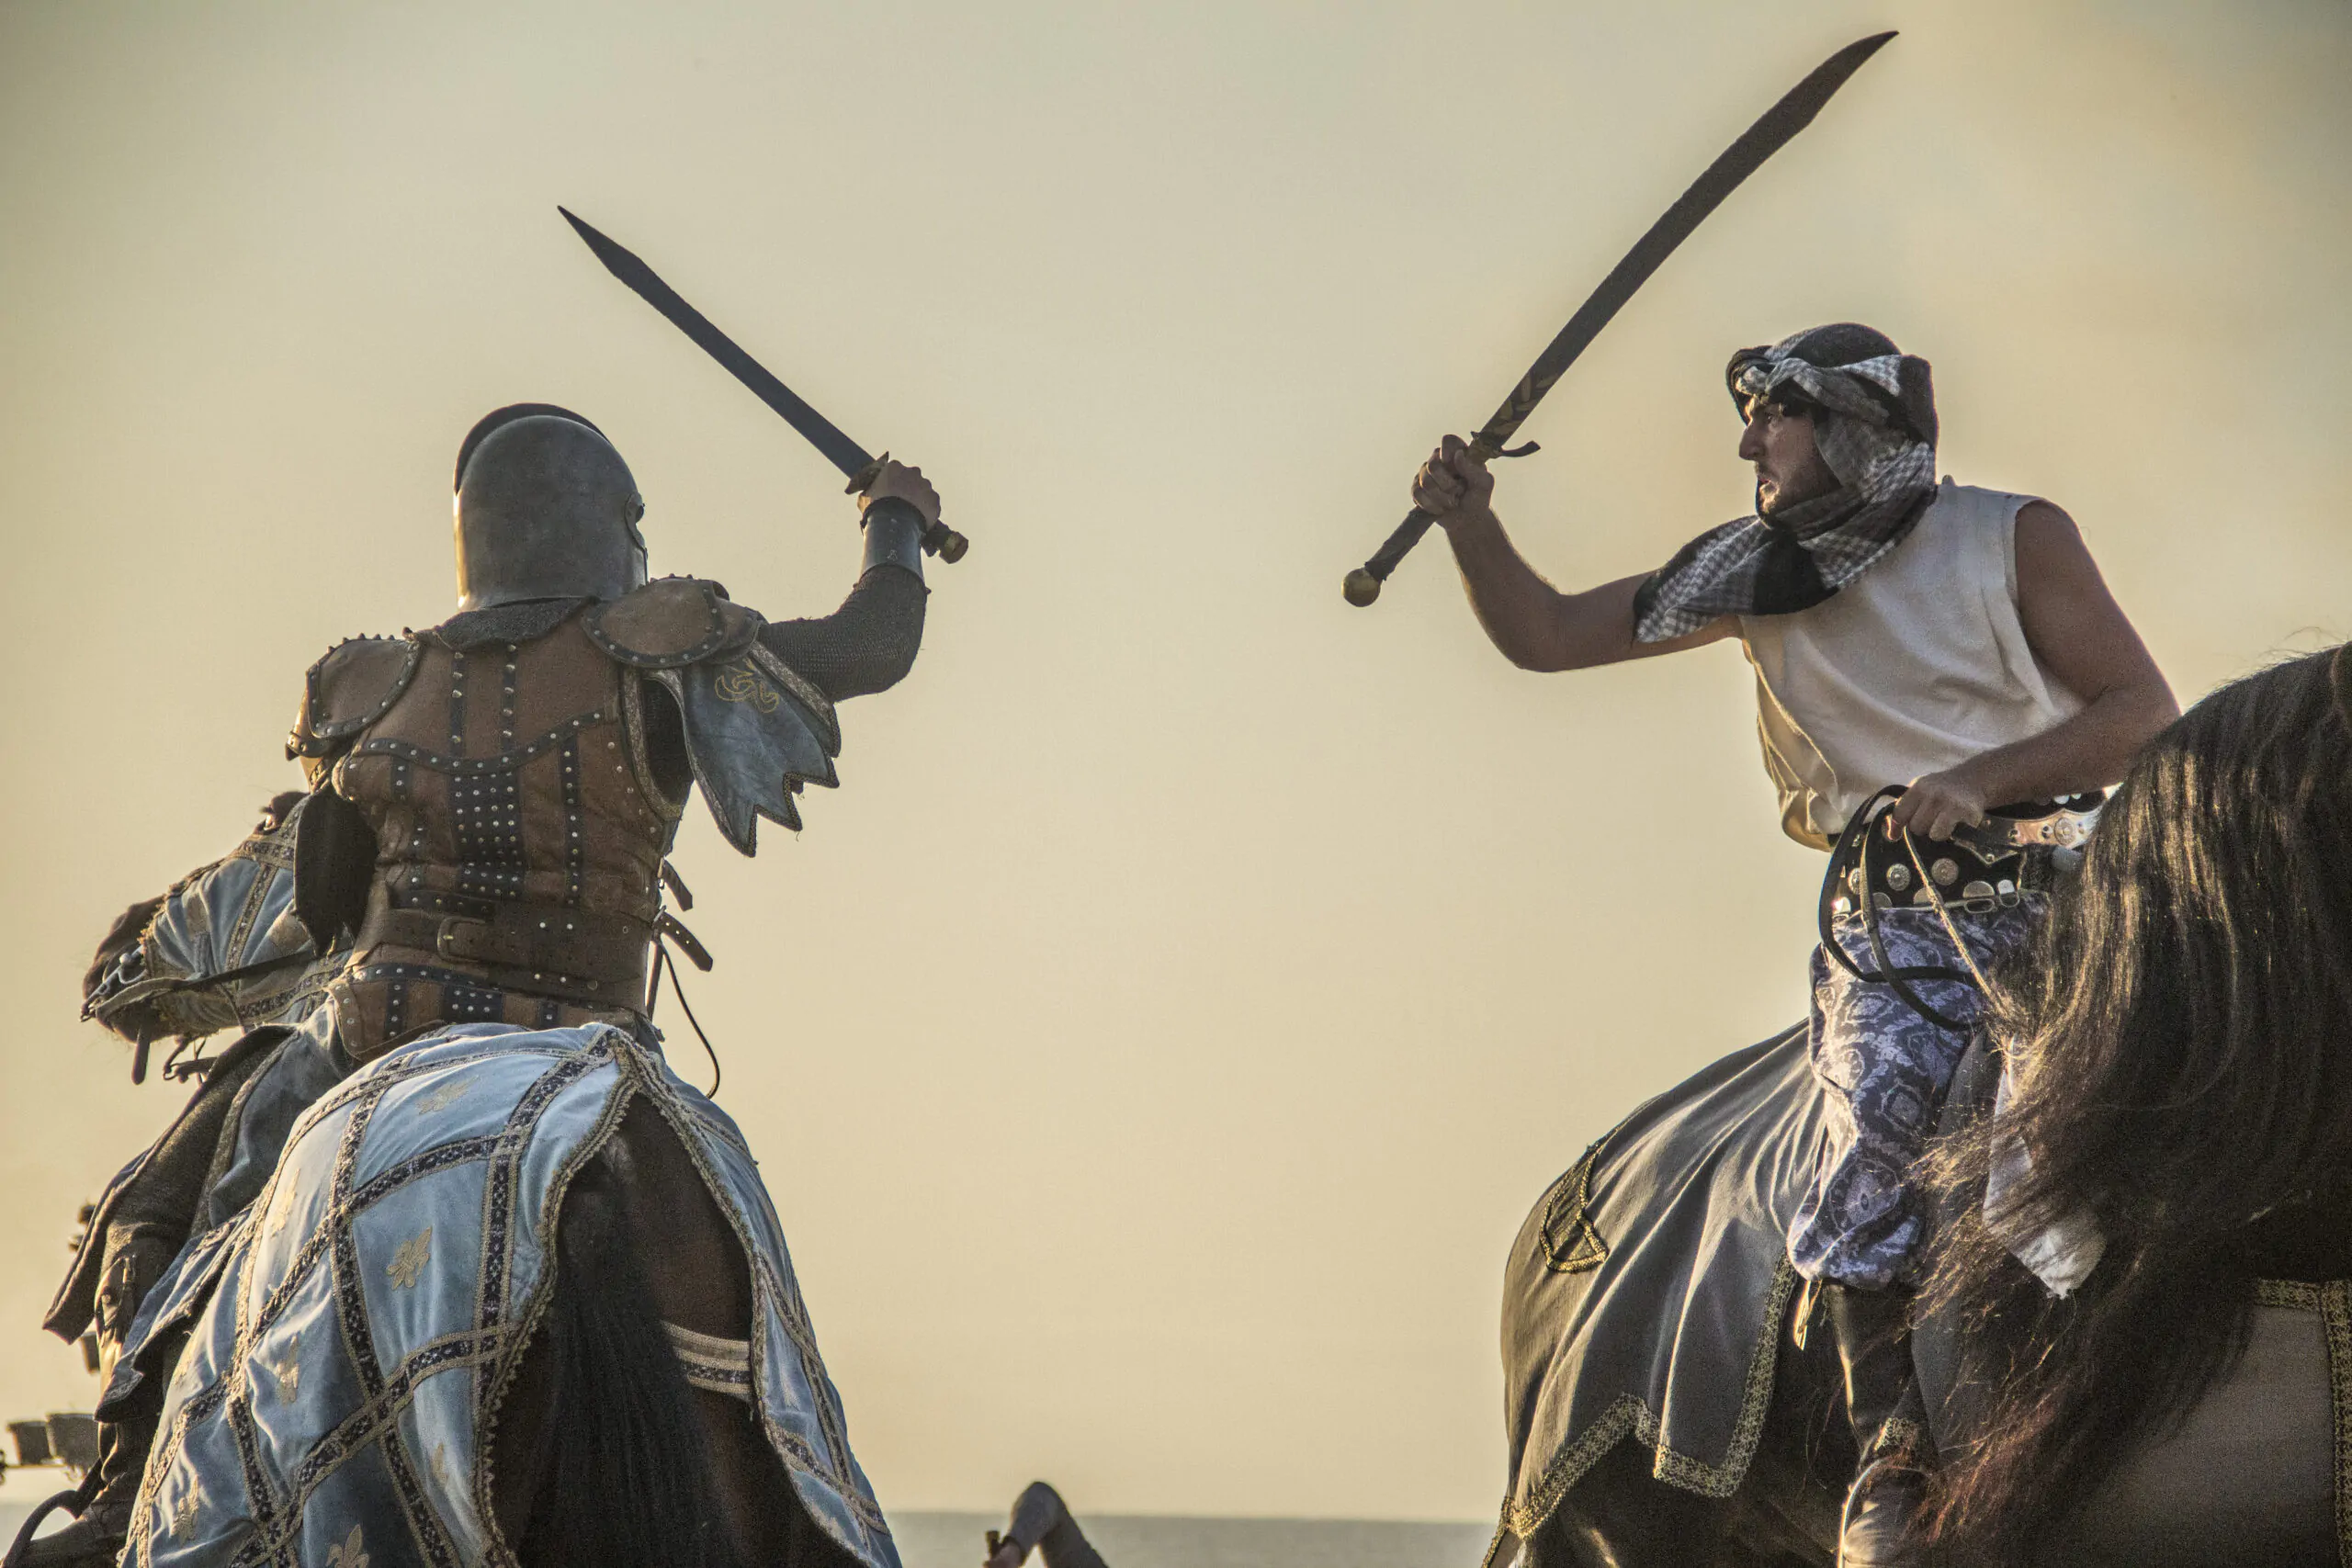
x=743, y=683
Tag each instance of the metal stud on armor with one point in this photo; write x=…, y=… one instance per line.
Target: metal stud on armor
x=491, y=801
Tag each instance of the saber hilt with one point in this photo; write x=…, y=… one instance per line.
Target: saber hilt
x=1362, y=585
x=938, y=538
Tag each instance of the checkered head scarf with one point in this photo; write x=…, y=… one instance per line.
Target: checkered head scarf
x=1874, y=412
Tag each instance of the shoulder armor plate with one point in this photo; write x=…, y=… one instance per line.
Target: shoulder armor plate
x=669, y=623
x=350, y=689
x=756, y=731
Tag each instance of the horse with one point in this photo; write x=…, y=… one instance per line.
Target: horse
x=1702, y=1425
x=500, y=1296
x=1662, y=1405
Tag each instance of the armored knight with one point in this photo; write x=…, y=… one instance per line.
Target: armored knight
x=491, y=802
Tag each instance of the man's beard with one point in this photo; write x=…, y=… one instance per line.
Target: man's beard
x=1771, y=498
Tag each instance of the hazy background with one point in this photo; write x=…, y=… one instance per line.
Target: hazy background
x=1154, y=1044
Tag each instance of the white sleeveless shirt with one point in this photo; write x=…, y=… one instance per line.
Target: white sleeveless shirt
x=1914, y=667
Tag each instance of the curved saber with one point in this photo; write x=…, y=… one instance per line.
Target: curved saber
x=1779, y=125
x=823, y=435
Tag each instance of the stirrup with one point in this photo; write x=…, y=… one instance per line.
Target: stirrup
x=1889, y=1486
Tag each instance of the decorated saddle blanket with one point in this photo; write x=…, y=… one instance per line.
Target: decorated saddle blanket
x=1643, y=1296
x=353, y=1331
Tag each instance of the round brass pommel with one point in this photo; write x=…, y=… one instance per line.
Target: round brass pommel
x=1361, y=588
x=946, y=543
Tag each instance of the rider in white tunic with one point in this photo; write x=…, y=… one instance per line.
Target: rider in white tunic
x=1937, y=666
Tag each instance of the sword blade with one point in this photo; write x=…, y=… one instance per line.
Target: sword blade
x=1773, y=131
x=823, y=435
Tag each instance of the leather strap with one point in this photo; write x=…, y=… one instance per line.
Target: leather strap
x=548, y=941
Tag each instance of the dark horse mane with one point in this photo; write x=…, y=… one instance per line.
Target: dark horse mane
x=2181, y=1077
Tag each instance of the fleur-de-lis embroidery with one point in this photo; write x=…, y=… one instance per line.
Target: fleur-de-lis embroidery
x=184, y=1515
x=439, y=1467
x=441, y=1098
x=352, y=1553
x=743, y=683
x=408, y=1264
x=289, y=1373
x=277, y=1218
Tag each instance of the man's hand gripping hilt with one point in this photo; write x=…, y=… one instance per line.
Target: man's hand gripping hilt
x=1362, y=585
x=938, y=538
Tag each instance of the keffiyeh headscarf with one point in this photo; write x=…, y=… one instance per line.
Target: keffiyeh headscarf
x=1873, y=410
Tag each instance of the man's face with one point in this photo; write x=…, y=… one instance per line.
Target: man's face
x=1789, y=468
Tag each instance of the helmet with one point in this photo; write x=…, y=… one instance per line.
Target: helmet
x=545, y=509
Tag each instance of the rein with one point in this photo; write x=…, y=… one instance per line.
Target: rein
x=1888, y=973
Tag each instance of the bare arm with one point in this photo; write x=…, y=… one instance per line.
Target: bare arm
x=2081, y=635
x=1535, y=625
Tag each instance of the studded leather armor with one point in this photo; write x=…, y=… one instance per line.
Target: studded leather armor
x=523, y=770
x=519, y=837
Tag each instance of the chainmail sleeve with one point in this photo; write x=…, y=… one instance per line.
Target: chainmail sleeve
x=868, y=645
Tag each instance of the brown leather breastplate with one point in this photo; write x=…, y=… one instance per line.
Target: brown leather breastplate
x=520, y=836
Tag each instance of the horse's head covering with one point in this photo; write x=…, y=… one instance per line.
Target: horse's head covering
x=1874, y=409
x=545, y=510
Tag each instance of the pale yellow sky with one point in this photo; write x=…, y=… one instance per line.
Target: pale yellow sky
x=1154, y=1046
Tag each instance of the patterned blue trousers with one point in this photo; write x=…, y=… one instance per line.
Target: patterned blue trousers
x=1883, y=1070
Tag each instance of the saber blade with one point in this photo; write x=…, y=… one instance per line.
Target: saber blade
x=1778, y=127
x=823, y=435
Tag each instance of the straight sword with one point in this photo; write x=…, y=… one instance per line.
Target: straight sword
x=1779, y=125
x=845, y=453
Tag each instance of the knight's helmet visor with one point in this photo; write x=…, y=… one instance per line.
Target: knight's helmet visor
x=545, y=509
